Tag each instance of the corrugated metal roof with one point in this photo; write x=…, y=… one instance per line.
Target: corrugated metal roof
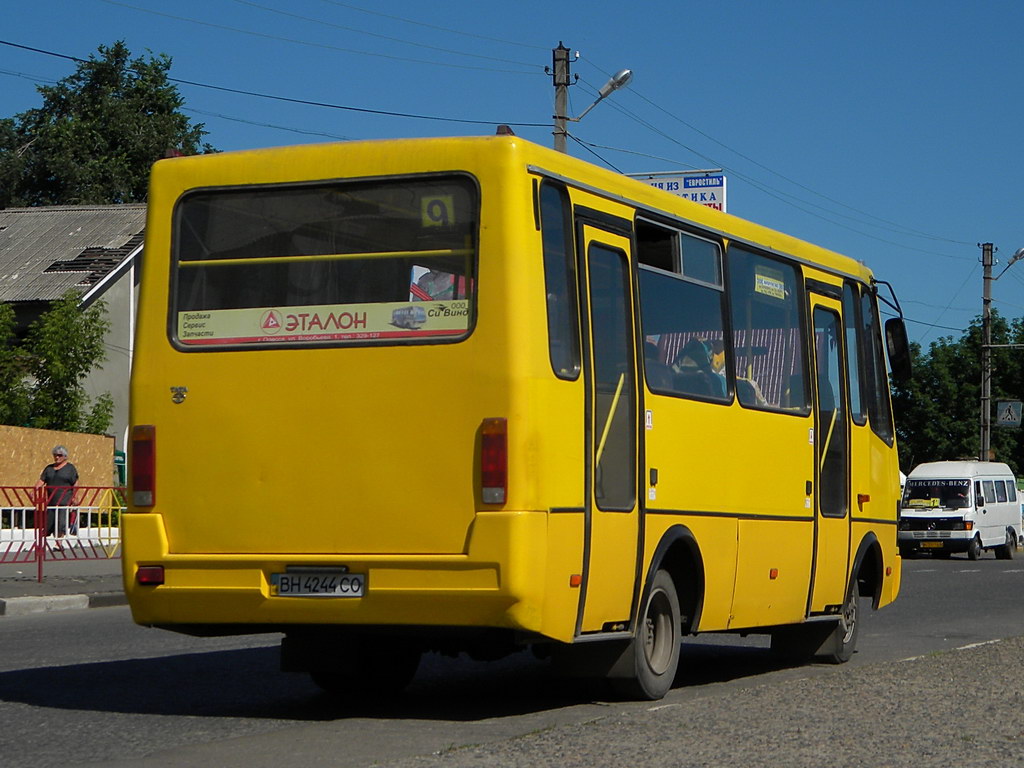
x=44, y=252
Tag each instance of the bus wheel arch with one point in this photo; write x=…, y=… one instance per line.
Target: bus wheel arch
x=868, y=569
x=670, y=604
x=679, y=555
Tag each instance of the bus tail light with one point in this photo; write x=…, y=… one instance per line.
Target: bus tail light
x=494, y=460
x=150, y=575
x=143, y=463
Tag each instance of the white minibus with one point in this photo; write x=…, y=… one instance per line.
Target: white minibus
x=960, y=506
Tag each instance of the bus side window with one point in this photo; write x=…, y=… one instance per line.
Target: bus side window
x=879, y=410
x=560, y=281
x=978, y=495
x=768, y=335
x=682, y=313
x=854, y=353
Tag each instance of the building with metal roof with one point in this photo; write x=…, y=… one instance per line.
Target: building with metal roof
x=94, y=250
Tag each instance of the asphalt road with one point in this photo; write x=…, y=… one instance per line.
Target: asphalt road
x=89, y=687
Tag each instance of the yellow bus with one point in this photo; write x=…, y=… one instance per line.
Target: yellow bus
x=474, y=395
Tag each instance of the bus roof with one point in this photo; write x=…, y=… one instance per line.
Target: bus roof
x=381, y=156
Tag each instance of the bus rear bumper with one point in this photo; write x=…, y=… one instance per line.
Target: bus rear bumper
x=212, y=594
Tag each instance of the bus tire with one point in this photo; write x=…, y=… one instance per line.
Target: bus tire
x=652, y=656
x=842, y=643
x=368, y=669
x=974, y=548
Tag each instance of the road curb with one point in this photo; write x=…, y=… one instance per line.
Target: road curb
x=23, y=606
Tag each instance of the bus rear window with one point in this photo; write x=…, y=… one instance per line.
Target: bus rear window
x=332, y=263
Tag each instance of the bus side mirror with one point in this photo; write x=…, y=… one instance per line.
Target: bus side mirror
x=899, y=349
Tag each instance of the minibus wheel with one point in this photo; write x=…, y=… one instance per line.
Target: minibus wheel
x=1009, y=549
x=654, y=649
x=974, y=549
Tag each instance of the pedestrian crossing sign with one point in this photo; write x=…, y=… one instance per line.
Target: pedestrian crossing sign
x=1008, y=413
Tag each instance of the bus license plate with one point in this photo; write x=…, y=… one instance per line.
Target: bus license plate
x=932, y=544
x=308, y=584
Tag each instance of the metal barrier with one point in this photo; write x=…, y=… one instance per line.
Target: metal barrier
x=39, y=524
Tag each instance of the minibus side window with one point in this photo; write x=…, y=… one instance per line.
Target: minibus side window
x=1000, y=491
x=1011, y=490
x=990, y=491
x=979, y=497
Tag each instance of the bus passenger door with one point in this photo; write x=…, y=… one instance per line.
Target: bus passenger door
x=612, y=527
x=832, y=454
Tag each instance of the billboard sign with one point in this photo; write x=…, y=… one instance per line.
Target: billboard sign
x=704, y=187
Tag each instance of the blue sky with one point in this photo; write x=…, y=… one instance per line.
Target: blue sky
x=889, y=131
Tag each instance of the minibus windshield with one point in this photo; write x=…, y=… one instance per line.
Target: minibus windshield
x=932, y=492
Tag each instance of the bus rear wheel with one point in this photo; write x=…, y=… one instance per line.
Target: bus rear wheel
x=653, y=653
x=366, y=669
x=843, y=642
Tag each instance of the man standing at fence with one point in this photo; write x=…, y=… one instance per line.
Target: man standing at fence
x=60, y=479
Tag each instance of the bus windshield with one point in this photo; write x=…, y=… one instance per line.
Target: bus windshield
x=932, y=492
x=331, y=263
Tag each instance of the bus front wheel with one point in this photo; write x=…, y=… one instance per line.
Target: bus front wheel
x=653, y=654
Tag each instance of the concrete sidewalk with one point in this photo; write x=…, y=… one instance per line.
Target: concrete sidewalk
x=66, y=585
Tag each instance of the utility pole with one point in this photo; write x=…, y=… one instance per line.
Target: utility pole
x=560, y=62
x=986, y=355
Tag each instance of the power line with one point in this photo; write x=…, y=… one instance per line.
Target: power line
x=780, y=196
x=326, y=46
x=435, y=26
x=323, y=22
x=931, y=325
x=901, y=227
x=268, y=125
x=952, y=298
x=591, y=151
x=291, y=100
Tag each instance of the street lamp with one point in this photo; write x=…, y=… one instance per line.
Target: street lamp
x=560, y=59
x=985, y=454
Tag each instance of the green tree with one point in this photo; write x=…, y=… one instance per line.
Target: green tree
x=14, y=393
x=938, y=412
x=96, y=134
x=59, y=351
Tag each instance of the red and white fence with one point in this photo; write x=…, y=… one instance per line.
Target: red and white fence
x=85, y=524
